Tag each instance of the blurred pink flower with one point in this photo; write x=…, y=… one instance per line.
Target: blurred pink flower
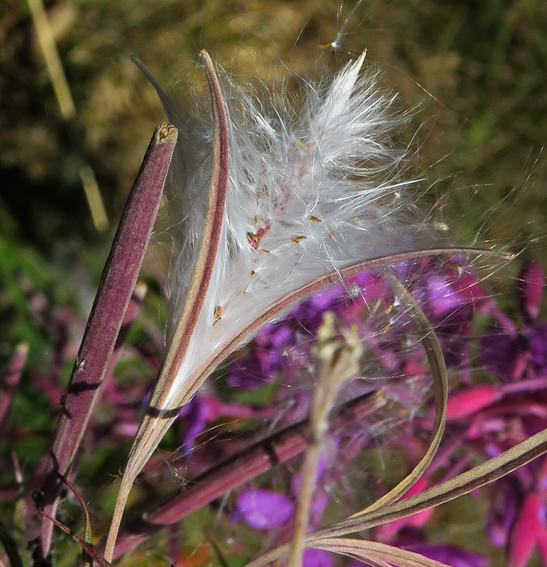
x=263, y=509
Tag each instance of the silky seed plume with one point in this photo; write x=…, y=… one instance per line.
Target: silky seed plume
x=304, y=197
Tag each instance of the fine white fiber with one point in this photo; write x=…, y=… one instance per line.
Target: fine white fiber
x=310, y=191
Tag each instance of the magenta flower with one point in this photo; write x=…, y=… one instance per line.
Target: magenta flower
x=525, y=531
x=538, y=347
x=263, y=509
x=317, y=558
x=466, y=403
x=443, y=298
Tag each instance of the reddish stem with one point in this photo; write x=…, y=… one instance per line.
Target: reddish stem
x=104, y=323
x=131, y=314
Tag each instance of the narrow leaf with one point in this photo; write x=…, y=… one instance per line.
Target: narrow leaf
x=464, y=483
x=368, y=551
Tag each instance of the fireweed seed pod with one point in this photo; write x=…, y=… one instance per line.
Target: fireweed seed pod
x=268, y=204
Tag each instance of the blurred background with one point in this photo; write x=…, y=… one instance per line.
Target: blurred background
x=474, y=71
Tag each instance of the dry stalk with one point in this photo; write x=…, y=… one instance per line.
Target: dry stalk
x=337, y=361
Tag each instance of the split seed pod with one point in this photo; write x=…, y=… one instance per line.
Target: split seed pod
x=270, y=207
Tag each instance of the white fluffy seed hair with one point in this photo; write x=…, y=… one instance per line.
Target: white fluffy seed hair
x=310, y=190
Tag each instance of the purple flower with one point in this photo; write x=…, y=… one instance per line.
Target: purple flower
x=274, y=345
x=450, y=554
x=246, y=372
x=317, y=558
x=504, y=353
x=503, y=509
x=531, y=284
x=515, y=354
x=443, y=298
x=194, y=417
x=309, y=314
x=272, y=354
x=263, y=509
x=538, y=347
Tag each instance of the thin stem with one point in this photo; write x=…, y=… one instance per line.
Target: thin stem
x=52, y=60
x=242, y=467
x=338, y=361
x=302, y=515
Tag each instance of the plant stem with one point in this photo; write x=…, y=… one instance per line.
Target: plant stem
x=104, y=323
x=338, y=361
x=239, y=469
